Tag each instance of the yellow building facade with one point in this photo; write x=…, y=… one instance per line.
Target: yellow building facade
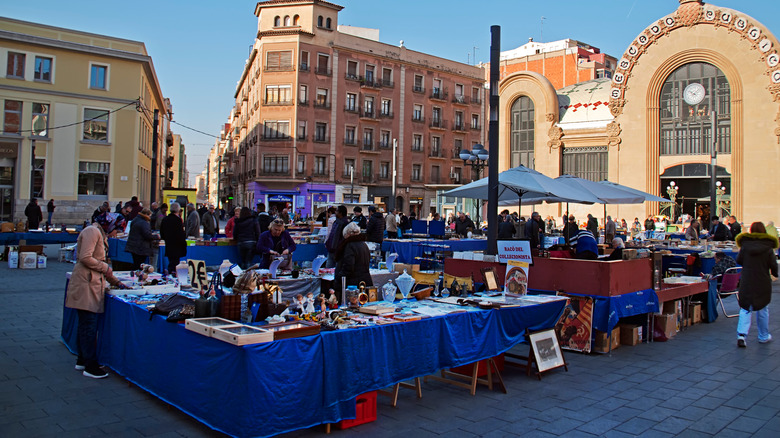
x=84, y=103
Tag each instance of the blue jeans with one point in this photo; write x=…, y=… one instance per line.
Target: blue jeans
x=87, y=338
x=49, y=220
x=762, y=319
x=247, y=251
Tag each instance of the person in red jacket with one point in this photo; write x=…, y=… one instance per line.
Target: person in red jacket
x=231, y=223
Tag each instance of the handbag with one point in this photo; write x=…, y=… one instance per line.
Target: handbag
x=176, y=307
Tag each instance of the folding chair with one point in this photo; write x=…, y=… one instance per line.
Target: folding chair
x=729, y=286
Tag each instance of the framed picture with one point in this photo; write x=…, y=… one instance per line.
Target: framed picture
x=491, y=279
x=546, y=350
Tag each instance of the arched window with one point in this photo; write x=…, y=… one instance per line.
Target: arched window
x=687, y=129
x=287, y=20
x=319, y=21
x=297, y=20
x=327, y=23
x=277, y=21
x=522, y=128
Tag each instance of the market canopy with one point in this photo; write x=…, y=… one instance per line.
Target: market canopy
x=520, y=183
x=606, y=193
x=647, y=196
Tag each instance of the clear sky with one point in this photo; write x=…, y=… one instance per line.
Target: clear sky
x=199, y=46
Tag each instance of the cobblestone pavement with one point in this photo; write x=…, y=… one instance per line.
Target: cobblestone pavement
x=697, y=384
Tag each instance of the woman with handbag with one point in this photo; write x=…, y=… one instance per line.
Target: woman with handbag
x=757, y=255
x=86, y=293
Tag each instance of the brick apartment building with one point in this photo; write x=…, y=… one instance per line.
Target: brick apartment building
x=318, y=107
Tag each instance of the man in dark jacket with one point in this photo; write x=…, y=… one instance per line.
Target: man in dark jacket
x=533, y=230
x=210, y=223
x=135, y=208
x=105, y=207
x=335, y=236
x=506, y=228
x=172, y=232
x=375, y=229
x=718, y=231
x=463, y=225
x=571, y=229
x=649, y=227
x=34, y=214
x=734, y=227
x=141, y=243
x=758, y=257
x=192, y=225
x=263, y=218
x=593, y=226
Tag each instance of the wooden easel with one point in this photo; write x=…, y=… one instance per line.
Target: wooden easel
x=393, y=393
x=460, y=380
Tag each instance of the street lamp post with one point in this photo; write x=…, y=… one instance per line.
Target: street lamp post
x=720, y=191
x=477, y=158
x=671, y=190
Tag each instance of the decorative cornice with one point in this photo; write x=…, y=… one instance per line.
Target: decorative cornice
x=692, y=13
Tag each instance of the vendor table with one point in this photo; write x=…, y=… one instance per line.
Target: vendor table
x=267, y=389
x=669, y=292
x=33, y=238
x=212, y=255
x=409, y=250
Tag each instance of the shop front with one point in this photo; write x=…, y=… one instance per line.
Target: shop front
x=9, y=151
x=308, y=199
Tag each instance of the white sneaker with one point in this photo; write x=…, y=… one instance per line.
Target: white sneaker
x=765, y=341
x=741, y=342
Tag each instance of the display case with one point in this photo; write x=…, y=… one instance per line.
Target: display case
x=205, y=326
x=292, y=329
x=242, y=334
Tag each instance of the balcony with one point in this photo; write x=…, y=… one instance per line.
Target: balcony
x=476, y=100
x=321, y=139
x=273, y=138
x=387, y=83
x=385, y=144
x=436, y=152
x=351, y=76
x=303, y=138
x=416, y=147
x=275, y=68
x=304, y=102
x=369, y=83
x=418, y=118
x=368, y=114
x=350, y=141
x=367, y=179
x=435, y=179
x=276, y=102
x=476, y=127
x=322, y=71
x=461, y=99
x=303, y=67
x=367, y=145
x=458, y=126
x=418, y=89
x=270, y=172
x=438, y=94
x=323, y=104
x=438, y=124
x=351, y=108
x=382, y=176
x=385, y=114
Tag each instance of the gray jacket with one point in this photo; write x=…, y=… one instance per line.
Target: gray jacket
x=192, y=226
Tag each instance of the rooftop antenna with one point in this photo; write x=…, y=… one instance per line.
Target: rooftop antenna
x=468, y=58
x=542, y=29
x=474, y=56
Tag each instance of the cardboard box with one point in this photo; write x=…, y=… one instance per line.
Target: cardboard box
x=671, y=307
x=13, y=259
x=630, y=334
x=42, y=262
x=601, y=344
x=629, y=254
x=38, y=249
x=399, y=267
x=667, y=323
x=28, y=260
x=694, y=311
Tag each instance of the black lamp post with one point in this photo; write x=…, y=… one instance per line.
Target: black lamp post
x=477, y=158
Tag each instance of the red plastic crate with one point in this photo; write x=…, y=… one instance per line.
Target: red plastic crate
x=365, y=411
x=482, y=371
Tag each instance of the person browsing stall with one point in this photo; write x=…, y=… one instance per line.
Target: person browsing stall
x=231, y=223
x=246, y=233
x=463, y=225
x=172, y=232
x=617, y=249
x=86, y=294
x=718, y=231
x=353, y=258
x=693, y=230
x=141, y=243
x=274, y=243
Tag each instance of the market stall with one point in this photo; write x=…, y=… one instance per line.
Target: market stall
x=253, y=390
x=410, y=250
x=38, y=238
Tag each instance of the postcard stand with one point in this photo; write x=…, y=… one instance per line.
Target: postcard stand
x=458, y=379
x=543, y=344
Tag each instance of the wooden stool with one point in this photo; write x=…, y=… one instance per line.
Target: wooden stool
x=458, y=379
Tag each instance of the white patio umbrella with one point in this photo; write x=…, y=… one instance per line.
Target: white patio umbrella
x=645, y=195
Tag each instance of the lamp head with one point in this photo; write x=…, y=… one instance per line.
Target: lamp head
x=465, y=154
x=483, y=155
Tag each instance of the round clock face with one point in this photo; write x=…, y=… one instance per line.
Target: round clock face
x=694, y=93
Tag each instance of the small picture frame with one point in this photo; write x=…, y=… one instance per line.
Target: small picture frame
x=491, y=279
x=546, y=350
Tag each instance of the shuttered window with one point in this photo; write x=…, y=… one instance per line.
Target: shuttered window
x=279, y=60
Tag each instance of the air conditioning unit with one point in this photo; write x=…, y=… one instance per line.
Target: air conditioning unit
x=454, y=175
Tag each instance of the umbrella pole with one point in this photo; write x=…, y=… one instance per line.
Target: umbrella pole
x=605, y=215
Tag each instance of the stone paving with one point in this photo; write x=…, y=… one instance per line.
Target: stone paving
x=697, y=384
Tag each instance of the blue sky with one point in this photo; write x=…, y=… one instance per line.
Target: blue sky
x=199, y=47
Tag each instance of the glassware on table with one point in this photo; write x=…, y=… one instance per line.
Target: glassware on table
x=405, y=282
x=388, y=291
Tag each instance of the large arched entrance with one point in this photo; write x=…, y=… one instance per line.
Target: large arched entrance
x=692, y=182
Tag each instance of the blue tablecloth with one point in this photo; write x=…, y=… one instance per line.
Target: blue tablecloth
x=267, y=389
x=212, y=255
x=678, y=259
x=409, y=250
x=37, y=238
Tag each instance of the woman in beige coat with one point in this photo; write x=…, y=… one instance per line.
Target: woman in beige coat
x=86, y=293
